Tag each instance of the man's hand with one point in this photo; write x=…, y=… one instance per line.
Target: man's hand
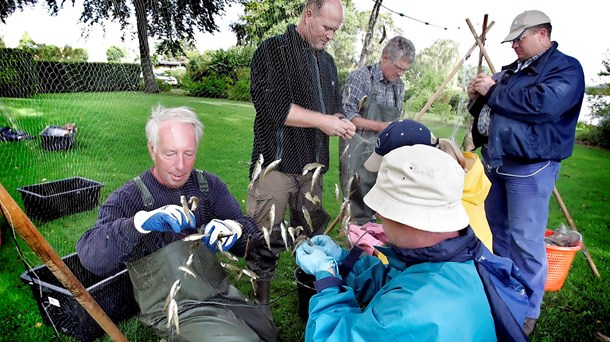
x=170, y=218
x=334, y=126
x=313, y=260
x=470, y=89
x=226, y=232
x=482, y=84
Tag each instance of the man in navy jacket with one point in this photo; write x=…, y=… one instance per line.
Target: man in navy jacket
x=525, y=121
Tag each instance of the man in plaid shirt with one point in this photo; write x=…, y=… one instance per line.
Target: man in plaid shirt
x=373, y=97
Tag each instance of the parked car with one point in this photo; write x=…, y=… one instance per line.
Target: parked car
x=171, y=80
x=161, y=76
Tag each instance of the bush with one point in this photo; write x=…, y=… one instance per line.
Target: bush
x=220, y=74
x=594, y=135
x=213, y=86
x=240, y=91
x=163, y=86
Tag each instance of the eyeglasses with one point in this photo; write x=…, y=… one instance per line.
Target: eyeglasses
x=398, y=68
x=518, y=39
x=523, y=36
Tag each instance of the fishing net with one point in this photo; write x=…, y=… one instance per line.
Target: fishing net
x=72, y=132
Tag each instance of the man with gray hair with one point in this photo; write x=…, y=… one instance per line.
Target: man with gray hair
x=169, y=247
x=373, y=97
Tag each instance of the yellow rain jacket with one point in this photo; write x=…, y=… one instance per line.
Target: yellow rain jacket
x=476, y=188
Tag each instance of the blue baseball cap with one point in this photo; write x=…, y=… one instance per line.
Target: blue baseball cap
x=398, y=134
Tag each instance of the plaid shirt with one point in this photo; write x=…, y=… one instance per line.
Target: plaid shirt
x=485, y=116
x=358, y=85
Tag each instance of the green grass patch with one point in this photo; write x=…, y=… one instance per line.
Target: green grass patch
x=111, y=148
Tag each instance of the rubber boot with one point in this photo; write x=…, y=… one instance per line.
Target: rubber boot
x=262, y=291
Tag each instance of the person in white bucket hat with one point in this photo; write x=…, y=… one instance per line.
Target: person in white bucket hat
x=438, y=283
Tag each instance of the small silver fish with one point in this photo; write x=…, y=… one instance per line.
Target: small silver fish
x=316, y=175
x=172, y=293
x=185, y=207
x=337, y=193
x=249, y=273
x=284, y=235
x=315, y=199
x=258, y=167
x=225, y=253
x=291, y=232
x=308, y=219
x=272, y=216
x=194, y=202
x=187, y=271
x=172, y=316
x=271, y=167
x=230, y=267
x=267, y=236
x=189, y=261
x=344, y=151
x=194, y=237
x=311, y=166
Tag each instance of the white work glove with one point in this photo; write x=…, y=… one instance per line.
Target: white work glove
x=224, y=231
x=170, y=218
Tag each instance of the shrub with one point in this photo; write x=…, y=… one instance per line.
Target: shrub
x=240, y=90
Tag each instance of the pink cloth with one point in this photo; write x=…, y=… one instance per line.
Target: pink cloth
x=367, y=236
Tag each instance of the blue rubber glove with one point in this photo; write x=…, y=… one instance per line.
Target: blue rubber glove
x=170, y=218
x=221, y=234
x=312, y=260
x=328, y=246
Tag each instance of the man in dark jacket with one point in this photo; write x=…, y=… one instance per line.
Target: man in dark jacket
x=178, y=283
x=296, y=94
x=525, y=121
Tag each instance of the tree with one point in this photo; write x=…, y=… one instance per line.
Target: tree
x=51, y=52
x=8, y=7
x=265, y=18
x=70, y=54
x=170, y=21
x=369, y=33
x=115, y=54
x=600, y=108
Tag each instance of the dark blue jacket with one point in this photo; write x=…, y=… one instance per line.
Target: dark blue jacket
x=535, y=110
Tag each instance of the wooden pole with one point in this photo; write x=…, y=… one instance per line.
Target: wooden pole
x=444, y=84
x=566, y=213
x=26, y=229
x=481, y=46
x=480, y=65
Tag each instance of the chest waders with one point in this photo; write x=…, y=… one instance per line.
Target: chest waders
x=359, y=148
x=209, y=307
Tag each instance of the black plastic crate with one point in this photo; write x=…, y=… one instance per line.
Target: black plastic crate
x=57, y=138
x=51, y=200
x=114, y=294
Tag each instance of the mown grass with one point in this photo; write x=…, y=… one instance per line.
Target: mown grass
x=110, y=148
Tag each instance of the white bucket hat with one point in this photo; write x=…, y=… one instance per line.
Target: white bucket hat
x=420, y=186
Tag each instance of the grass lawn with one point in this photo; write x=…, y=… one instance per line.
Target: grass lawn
x=110, y=148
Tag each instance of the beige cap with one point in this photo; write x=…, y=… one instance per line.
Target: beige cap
x=420, y=186
x=524, y=21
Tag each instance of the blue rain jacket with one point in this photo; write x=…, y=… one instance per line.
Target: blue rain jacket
x=410, y=299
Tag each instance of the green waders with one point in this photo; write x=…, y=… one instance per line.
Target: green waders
x=359, y=148
x=209, y=307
